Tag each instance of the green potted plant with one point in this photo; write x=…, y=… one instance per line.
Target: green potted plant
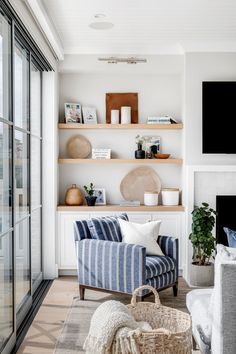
x=203, y=242
x=90, y=197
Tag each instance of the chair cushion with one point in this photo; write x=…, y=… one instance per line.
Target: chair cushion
x=106, y=228
x=157, y=265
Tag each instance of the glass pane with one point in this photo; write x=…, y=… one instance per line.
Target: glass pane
x=35, y=101
x=36, y=243
x=4, y=67
x=35, y=172
x=21, y=86
x=6, y=288
x=22, y=262
x=21, y=175
x=5, y=178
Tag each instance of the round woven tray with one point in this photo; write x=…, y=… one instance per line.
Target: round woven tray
x=172, y=331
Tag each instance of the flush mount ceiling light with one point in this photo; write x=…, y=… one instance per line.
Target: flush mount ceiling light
x=101, y=24
x=130, y=60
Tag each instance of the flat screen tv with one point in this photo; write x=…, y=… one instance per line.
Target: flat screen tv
x=219, y=117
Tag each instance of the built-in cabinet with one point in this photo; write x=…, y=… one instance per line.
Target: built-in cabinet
x=172, y=225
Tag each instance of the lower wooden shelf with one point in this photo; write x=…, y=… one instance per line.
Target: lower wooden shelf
x=174, y=161
x=117, y=207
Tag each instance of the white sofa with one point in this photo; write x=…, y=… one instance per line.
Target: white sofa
x=213, y=311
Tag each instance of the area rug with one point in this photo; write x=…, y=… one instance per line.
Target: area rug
x=77, y=324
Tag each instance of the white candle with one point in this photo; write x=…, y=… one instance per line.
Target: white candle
x=115, y=116
x=125, y=115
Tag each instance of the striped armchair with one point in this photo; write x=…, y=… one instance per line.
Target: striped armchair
x=113, y=266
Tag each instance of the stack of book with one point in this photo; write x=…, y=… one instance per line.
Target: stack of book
x=161, y=120
x=130, y=203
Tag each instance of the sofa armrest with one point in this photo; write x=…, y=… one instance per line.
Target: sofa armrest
x=111, y=265
x=170, y=247
x=224, y=314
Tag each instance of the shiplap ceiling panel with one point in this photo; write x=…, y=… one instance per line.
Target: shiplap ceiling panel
x=151, y=26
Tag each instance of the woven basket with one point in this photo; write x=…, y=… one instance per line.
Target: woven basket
x=172, y=331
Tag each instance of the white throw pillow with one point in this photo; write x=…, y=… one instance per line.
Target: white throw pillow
x=142, y=234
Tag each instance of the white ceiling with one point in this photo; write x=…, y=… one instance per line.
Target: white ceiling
x=145, y=27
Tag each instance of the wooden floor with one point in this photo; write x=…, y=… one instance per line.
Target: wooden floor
x=47, y=325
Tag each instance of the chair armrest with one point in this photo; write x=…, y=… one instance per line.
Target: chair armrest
x=111, y=265
x=170, y=247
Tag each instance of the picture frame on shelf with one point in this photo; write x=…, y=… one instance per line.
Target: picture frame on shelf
x=101, y=154
x=73, y=113
x=152, y=144
x=89, y=115
x=100, y=193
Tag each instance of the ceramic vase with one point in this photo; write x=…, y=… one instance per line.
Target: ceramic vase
x=140, y=153
x=73, y=196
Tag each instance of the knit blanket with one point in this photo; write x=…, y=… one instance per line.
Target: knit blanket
x=113, y=330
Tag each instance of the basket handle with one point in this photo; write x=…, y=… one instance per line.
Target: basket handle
x=144, y=287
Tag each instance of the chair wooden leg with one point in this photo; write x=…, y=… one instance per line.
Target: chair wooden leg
x=194, y=343
x=175, y=289
x=81, y=292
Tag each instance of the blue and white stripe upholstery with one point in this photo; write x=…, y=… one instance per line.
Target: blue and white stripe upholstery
x=170, y=247
x=116, y=266
x=81, y=230
x=157, y=265
x=106, y=228
x=111, y=265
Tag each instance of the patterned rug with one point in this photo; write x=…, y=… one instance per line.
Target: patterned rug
x=77, y=324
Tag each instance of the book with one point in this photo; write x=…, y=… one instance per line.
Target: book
x=161, y=120
x=131, y=203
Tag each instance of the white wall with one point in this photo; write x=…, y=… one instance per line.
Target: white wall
x=158, y=94
x=203, y=67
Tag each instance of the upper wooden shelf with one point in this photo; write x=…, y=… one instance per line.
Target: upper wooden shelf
x=117, y=207
x=113, y=161
x=119, y=126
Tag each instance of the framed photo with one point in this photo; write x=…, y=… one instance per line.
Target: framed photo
x=73, y=113
x=152, y=144
x=89, y=115
x=100, y=193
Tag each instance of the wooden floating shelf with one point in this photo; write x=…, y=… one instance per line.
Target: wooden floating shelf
x=117, y=207
x=171, y=161
x=119, y=126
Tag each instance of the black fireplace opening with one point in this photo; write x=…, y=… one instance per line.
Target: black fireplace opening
x=226, y=216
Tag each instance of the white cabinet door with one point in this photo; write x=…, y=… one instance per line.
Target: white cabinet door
x=139, y=217
x=66, y=243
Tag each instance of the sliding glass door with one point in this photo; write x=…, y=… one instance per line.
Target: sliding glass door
x=6, y=202
x=20, y=176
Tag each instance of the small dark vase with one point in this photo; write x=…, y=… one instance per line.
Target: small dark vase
x=90, y=200
x=140, y=154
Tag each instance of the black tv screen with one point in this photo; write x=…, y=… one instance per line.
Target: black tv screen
x=219, y=117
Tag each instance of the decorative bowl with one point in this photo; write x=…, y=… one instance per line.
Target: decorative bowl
x=162, y=156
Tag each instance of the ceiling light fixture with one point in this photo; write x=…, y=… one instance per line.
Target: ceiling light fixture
x=130, y=60
x=100, y=23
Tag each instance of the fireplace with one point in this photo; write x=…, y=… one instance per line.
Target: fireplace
x=226, y=216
